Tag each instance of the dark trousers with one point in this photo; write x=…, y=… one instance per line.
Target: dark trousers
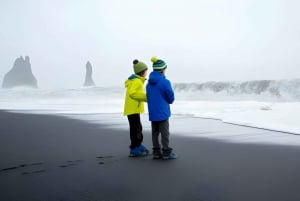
x=135, y=129
x=161, y=127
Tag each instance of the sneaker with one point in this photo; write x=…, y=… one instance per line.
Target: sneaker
x=157, y=156
x=143, y=149
x=135, y=152
x=157, y=153
x=172, y=155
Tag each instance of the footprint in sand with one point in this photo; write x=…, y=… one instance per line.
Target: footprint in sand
x=71, y=163
x=20, y=166
x=66, y=164
x=103, y=158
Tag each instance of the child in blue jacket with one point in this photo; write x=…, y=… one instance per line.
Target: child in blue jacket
x=159, y=97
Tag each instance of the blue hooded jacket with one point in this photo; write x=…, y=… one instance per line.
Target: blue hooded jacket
x=159, y=95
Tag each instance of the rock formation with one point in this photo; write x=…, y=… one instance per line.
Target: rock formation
x=20, y=75
x=88, y=76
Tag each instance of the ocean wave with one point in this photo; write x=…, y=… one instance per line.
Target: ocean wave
x=276, y=90
x=257, y=90
x=75, y=93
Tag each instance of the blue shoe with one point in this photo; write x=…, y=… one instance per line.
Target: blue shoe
x=143, y=149
x=172, y=155
x=135, y=152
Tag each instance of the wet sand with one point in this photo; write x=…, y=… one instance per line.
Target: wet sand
x=47, y=157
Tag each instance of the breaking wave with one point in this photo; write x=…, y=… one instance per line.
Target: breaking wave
x=258, y=90
x=262, y=90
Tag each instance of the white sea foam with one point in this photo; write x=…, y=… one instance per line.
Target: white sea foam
x=270, y=105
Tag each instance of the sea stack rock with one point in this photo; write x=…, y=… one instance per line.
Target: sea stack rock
x=88, y=76
x=20, y=75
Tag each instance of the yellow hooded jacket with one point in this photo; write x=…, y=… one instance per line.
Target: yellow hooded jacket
x=135, y=95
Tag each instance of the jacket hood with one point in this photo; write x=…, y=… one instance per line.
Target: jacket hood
x=155, y=77
x=132, y=77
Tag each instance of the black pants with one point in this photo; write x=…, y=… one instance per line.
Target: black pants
x=135, y=128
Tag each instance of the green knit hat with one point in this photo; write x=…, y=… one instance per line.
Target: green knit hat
x=139, y=66
x=158, y=64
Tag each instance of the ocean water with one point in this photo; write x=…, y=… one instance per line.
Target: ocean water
x=267, y=104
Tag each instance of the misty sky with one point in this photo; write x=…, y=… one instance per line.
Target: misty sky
x=201, y=40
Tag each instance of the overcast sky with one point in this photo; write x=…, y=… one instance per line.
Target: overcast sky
x=200, y=40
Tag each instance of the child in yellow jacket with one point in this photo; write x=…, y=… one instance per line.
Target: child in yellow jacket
x=134, y=106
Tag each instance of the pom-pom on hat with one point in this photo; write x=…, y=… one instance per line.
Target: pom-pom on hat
x=158, y=64
x=139, y=66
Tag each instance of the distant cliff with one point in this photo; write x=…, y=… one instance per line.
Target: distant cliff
x=88, y=76
x=20, y=75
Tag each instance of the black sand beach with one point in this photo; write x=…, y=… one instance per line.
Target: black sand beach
x=51, y=158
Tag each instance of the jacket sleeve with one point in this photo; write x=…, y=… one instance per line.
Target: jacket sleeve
x=169, y=93
x=137, y=94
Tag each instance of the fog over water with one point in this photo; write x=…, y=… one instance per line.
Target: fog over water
x=207, y=40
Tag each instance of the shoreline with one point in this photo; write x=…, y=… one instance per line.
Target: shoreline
x=48, y=157
x=190, y=126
